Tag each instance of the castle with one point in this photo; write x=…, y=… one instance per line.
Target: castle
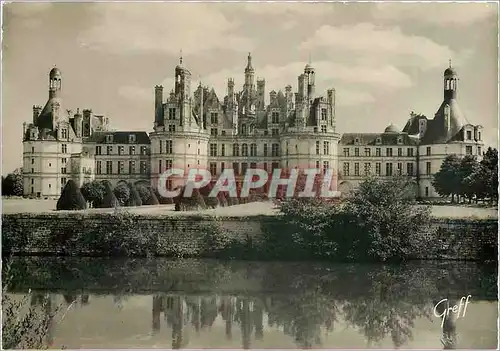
x=196, y=129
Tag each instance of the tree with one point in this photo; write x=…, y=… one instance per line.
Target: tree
x=93, y=192
x=12, y=185
x=490, y=164
x=478, y=181
x=122, y=193
x=188, y=203
x=109, y=200
x=447, y=181
x=71, y=198
x=468, y=165
x=134, y=198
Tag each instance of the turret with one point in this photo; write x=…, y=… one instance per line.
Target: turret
x=55, y=81
x=450, y=79
x=331, y=102
x=78, y=118
x=87, y=123
x=261, y=91
x=309, y=78
x=230, y=87
x=36, y=112
x=249, y=72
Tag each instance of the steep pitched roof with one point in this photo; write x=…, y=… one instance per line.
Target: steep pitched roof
x=371, y=139
x=439, y=130
x=121, y=137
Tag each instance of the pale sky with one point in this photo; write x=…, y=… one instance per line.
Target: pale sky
x=384, y=60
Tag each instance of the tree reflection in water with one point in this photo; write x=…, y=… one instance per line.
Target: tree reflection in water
x=303, y=301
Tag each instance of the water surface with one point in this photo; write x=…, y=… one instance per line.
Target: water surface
x=110, y=303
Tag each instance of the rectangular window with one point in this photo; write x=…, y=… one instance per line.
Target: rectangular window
x=171, y=128
x=275, y=150
x=236, y=168
x=169, y=145
x=236, y=150
x=356, y=151
x=214, y=118
x=400, y=168
x=109, y=167
x=97, y=150
x=64, y=148
x=223, y=150
x=428, y=151
x=326, y=165
x=131, y=167
x=346, y=152
x=324, y=114
x=64, y=181
x=317, y=148
x=367, y=151
x=120, y=150
x=121, y=167
x=109, y=149
x=479, y=151
x=144, y=167
x=409, y=152
x=367, y=168
x=409, y=169
x=213, y=150
x=161, y=147
x=144, y=150
x=222, y=166
x=400, y=152
x=213, y=168
x=323, y=129
x=388, y=152
x=131, y=138
x=388, y=169
x=378, y=168
x=253, y=149
x=428, y=168
x=159, y=166
x=244, y=150
x=99, y=167
x=253, y=165
x=326, y=148
x=244, y=167
x=168, y=164
x=378, y=152
x=171, y=113
x=356, y=169
x=275, y=117
x=469, y=135
x=468, y=150
x=213, y=131
x=63, y=170
x=131, y=150
x=274, y=132
x=265, y=150
x=346, y=168
x=64, y=133
x=317, y=165
x=32, y=161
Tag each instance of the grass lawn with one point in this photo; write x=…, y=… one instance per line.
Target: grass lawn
x=256, y=208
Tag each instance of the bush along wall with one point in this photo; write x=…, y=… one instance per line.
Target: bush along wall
x=255, y=237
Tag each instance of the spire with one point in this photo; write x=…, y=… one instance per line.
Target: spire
x=449, y=62
x=249, y=62
x=180, y=58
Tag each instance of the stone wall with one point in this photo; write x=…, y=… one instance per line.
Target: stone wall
x=184, y=235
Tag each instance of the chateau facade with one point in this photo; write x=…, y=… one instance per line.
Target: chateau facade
x=194, y=128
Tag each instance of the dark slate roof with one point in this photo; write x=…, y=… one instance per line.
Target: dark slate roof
x=437, y=131
x=371, y=138
x=45, y=119
x=120, y=137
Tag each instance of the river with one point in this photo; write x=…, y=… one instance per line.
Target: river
x=160, y=303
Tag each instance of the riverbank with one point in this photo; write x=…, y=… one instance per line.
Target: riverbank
x=238, y=234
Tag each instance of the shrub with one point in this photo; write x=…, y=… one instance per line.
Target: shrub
x=12, y=185
x=144, y=193
x=189, y=203
x=109, y=200
x=71, y=198
x=163, y=200
x=134, y=198
x=153, y=200
x=122, y=193
x=210, y=202
x=380, y=221
x=94, y=192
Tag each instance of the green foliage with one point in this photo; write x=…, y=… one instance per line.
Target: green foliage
x=71, y=198
x=122, y=193
x=447, y=181
x=379, y=222
x=189, y=203
x=24, y=327
x=12, y=185
x=109, y=200
x=94, y=192
x=134, y=198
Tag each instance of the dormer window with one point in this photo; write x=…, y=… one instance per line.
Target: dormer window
x=469, y=135
x=109, y=138
x=131, y=138
x=400, y=140
x=378, y=141
x=64, y=133
x=356, y=141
